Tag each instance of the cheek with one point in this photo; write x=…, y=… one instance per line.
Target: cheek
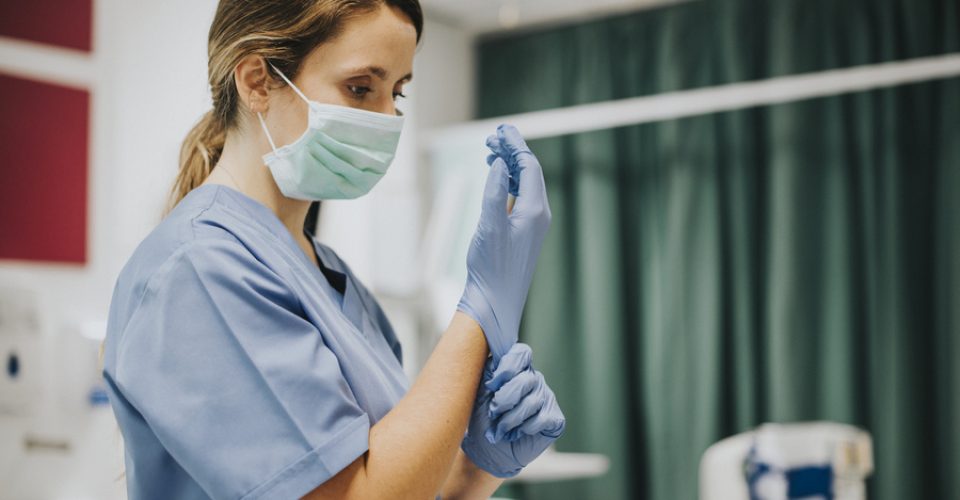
x=291, y=120
x=288, y=122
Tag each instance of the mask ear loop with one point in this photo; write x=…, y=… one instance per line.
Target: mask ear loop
x=294, y=87
x=263, y=124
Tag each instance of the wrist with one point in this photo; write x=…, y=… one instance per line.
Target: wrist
x=467, y=480
x=475, y=304
x=463, y=321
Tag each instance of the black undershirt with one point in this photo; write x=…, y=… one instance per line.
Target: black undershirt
x=337, y=279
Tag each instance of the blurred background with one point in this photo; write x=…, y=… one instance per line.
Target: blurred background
x=755, y=220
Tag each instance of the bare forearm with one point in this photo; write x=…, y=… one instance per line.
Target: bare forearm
x=467, y=481
x=412, y=449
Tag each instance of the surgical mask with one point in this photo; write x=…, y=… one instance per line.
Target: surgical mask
x=343, y=153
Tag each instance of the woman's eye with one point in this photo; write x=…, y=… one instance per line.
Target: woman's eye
x=358, y=91
x=399, y=94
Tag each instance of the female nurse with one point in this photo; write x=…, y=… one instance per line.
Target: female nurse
x=244, y=360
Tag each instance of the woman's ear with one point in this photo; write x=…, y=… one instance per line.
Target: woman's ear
x=252, y=81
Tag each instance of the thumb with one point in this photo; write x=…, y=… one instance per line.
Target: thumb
x=495, y=192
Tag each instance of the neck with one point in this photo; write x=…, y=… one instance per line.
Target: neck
x=241, y=167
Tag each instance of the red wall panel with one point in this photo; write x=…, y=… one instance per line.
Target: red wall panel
x=43, y=171
x=67, y=23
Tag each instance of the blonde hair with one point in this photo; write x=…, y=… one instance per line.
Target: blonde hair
x=283, y=32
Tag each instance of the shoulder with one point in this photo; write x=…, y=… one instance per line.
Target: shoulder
x=207, y=280
x=183, y=251
x=177, y=229
x=211, y=259
x=203, y=227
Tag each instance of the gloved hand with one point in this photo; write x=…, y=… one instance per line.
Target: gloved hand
x=515, y=416
x=505, y=246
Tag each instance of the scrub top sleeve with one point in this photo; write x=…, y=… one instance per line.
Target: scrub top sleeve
x=238, y=387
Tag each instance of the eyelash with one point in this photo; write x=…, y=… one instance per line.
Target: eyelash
x=356, y=91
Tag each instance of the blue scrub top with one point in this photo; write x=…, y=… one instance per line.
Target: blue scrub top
x=234, y=367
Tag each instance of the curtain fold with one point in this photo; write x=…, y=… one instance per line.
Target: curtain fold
x=783, y=263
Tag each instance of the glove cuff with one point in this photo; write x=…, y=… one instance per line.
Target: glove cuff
x=473, y=304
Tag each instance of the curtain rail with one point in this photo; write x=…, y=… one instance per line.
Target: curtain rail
x=682, y=104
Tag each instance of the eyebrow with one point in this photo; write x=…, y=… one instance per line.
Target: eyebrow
x=380, y=72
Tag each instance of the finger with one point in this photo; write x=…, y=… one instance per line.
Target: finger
x=499, y=145
x=514, y=178
x=514, y=418
x=495, y=191
x=511, y=141
x=512, y=167
x=531, y=193
x=550, y=423
x=531, y=190
x=515, y=361
x=512, y=393
x=493, y=142
x=512, y=171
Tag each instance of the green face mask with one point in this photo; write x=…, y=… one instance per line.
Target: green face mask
x=343, y=153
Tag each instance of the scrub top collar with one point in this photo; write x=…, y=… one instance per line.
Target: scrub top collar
x=258, y=213
x=350, y=303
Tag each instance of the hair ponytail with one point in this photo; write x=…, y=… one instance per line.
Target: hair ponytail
x=199, y=153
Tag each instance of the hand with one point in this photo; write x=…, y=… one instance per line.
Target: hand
x=515, y=416
x=505, y=246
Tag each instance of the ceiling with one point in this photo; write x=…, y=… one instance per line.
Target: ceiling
x=486, y=16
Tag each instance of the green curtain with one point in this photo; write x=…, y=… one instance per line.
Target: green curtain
x=784, y=263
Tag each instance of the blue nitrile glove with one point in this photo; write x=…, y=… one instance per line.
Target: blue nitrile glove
x=494, y=144
x=515, y=416
x=505, y=247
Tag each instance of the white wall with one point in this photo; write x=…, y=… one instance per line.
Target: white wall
x=147, y=79
x=148, y=86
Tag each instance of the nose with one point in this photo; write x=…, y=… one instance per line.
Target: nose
x=388, y=106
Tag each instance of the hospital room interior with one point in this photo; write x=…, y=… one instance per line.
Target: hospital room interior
x=749, y=289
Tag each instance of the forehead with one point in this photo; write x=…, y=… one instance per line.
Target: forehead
x=384, y=38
